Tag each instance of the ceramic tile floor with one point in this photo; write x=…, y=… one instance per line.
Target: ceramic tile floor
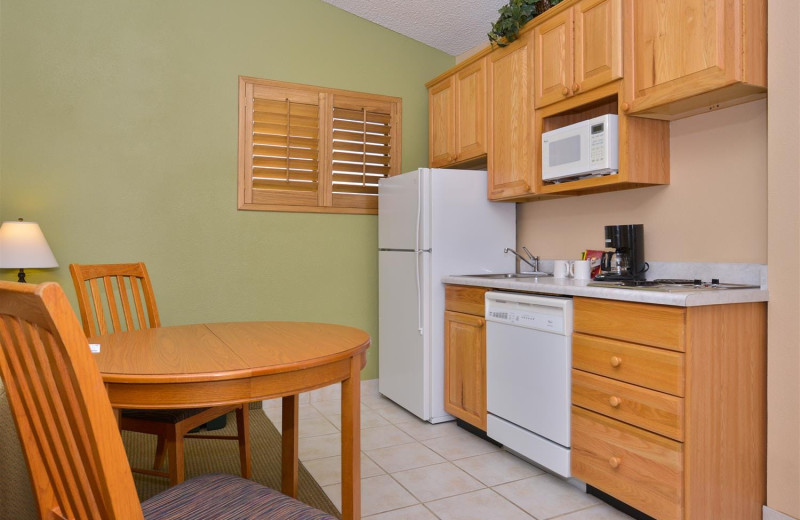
x=413, y=470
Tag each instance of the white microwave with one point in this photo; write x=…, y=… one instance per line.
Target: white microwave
x=590, y=147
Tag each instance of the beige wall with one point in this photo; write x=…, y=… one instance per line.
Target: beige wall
x=714, y=210
x=783, y=392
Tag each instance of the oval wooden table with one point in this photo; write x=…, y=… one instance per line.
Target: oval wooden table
x=221, y=363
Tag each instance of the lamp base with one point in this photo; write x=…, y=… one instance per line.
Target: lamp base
x=21, y=275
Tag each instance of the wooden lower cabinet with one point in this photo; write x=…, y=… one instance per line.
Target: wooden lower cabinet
x=669, y=407
x=465, y=355
x=633, y=465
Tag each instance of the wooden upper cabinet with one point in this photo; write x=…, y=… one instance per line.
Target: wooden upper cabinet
x=598, y=43
x=577, y=50
x=553, y=74
x=457, y=116
x=471, y=111
x=442, y=123
x=511, y=147
x=683, y=58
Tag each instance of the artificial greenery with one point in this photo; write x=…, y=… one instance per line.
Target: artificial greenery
x=513, y=16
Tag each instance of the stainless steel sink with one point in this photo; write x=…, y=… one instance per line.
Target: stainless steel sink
x=496, y=276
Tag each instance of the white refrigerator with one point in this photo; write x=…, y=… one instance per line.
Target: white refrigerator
x=431, y=223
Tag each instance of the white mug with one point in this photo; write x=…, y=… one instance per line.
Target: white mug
x=582, y=269
x=562, y=269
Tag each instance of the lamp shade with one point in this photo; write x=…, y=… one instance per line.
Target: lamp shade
x=22, y=245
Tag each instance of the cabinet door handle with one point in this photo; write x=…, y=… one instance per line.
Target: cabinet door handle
x=565, y=92
x=614, y=462
x=616, y=361
x=576, y=87
x=625, y=107
x=614, y=401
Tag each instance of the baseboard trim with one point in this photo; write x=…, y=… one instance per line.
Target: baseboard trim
x=771, y=514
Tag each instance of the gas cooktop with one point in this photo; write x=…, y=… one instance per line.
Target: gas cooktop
x=671, y=285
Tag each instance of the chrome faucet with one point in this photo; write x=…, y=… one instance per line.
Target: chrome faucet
x=532, y=261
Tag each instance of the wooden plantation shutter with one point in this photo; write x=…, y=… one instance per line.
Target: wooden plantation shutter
x=282, y=139
x=285, y=145
x=304, y=148
x=361, y=150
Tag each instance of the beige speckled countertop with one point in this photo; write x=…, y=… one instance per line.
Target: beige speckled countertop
x=570, y=287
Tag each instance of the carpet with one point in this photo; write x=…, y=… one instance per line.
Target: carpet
x=222, y=456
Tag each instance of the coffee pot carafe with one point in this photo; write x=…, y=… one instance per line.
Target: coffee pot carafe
x=614, y=262
x=626, y=262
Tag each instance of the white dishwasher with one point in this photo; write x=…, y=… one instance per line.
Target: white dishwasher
x=528, y=360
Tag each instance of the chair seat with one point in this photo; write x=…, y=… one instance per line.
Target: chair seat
x=226, y=497
x=163, y=416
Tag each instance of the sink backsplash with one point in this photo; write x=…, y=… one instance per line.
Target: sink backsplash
x=754, y=274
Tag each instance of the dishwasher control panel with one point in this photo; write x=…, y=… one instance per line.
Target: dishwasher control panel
x=551, y=314
x=526, y=319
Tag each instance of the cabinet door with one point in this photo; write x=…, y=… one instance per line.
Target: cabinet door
x=442, y=123
x=553, y=75
x=676, y=50
x=598, y=43
x=465, y=367
x=511, y=149
x=470, y=128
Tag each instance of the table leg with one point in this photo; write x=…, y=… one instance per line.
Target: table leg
x=289, y=453
x=117, y=411
x=351, y=442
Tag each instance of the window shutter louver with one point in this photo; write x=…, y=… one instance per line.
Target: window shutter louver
x=361, y=151
x=304, y=148
x=285, y=145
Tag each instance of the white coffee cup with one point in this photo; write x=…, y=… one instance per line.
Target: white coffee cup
x=582, y=269
x=562, y=269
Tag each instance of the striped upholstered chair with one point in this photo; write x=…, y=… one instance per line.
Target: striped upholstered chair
x=70, y=438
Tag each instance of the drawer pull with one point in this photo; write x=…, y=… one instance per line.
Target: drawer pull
x=614, y=462
x=614, y=401
x=616, y=361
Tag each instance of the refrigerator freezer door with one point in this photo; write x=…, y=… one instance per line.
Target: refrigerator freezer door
x=403, y=359
x=402, y=208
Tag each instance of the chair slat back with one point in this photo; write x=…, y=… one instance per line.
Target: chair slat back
x=67, y=429
x=114, y=297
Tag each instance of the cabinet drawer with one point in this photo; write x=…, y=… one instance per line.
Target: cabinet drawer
x=639, y=468
x=466, y=299
x=655, y=325
x=654, y=411
x=654, y=368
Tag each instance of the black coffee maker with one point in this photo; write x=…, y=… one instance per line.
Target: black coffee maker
x=626, y=262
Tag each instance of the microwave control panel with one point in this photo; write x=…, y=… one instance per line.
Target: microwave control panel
x=597, y=143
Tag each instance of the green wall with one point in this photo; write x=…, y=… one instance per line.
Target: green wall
x=118, y=134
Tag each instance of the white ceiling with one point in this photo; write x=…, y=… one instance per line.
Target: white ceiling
x=452, y=26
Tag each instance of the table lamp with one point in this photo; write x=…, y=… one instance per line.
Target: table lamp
x=22, y=245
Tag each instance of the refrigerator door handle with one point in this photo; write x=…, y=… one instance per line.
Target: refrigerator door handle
x=418, y=252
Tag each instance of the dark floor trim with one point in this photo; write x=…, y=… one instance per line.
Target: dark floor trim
x=476, y=431
x=617, y=504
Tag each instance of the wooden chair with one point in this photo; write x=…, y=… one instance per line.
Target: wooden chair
x=69, y=434
x=119, y=297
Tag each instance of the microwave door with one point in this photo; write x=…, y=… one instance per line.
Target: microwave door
x=562, y=155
